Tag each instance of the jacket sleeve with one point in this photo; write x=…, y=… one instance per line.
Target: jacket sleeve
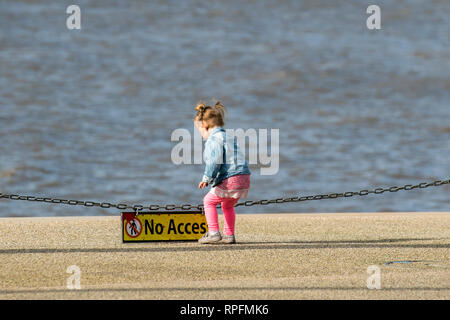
x=213, y=159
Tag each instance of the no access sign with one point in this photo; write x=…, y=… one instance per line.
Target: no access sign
x=163, y=226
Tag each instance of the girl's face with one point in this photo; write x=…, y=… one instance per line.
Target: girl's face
x=201, y=126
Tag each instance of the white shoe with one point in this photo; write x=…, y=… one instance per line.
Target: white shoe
x=209, y=237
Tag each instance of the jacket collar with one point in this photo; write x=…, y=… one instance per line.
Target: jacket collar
x=216, y=130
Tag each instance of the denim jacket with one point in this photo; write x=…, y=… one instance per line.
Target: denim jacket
x=223, y=157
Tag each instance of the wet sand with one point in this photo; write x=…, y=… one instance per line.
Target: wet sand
x=278, y=256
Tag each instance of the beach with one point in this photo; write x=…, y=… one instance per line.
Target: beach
x=277, y=256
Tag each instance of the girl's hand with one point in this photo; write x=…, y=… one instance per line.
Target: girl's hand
x=202, y=185
x=203, y=129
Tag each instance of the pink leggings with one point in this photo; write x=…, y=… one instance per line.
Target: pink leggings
x=210, y=201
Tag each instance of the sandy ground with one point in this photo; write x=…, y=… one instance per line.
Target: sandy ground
x=278, y=256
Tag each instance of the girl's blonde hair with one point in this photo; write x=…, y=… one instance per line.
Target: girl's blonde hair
x=212, y=115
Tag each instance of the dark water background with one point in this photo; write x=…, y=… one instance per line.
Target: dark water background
x=88, y=114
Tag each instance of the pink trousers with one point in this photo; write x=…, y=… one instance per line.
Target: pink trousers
x=210, y=201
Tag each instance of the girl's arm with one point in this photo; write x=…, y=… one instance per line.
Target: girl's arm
x=213, y=159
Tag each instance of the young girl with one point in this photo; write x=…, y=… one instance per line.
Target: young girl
x=226, y=171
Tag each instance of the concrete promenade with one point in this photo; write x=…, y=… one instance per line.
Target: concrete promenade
x=278, y=256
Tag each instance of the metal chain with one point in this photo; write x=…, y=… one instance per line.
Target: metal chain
x=187, y=207
x=347, y=194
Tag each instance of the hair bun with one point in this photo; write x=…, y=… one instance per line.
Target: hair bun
x=200, y=107
x=220, y=109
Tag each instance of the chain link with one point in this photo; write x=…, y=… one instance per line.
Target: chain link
x=248, y=203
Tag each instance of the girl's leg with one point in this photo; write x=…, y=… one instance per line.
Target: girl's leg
x=210, y=201
x=229, y=215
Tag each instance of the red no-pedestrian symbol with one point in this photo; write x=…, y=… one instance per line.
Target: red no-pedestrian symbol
x=133, y=227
